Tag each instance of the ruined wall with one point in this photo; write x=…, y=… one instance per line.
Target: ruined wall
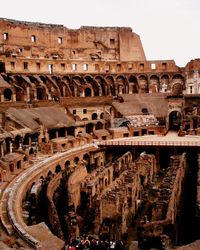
x=37, y=40
x=167, y=205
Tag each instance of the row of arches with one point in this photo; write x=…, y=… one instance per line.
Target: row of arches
x=44, y=87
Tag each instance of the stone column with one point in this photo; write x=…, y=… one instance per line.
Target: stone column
x=28, y=94
x=14, y=97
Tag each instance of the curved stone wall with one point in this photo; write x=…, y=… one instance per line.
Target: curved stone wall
x=24, y=181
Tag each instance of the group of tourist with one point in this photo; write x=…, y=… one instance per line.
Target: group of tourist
x=92, y=243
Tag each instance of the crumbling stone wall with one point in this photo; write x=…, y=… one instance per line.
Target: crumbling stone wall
x=166, y=206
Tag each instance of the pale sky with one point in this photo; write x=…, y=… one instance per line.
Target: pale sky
x=169, y=29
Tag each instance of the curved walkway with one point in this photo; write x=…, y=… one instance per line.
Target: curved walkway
x=18, y=189
x=171, y=139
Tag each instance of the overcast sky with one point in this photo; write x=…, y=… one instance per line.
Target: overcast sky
x=169, y=29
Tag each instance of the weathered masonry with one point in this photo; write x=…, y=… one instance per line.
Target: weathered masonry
x=95, y=139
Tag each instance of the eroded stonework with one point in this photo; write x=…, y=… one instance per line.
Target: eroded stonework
x=64, y=91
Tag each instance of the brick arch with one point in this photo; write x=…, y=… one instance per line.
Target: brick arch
x=7, y=93
x=154, y=84
x=122, y=84
x=111, y=85
x=53, y=88
x=76, y=85
x=97, y=89
x=133, y=84
x=143, y=83
x=103, y=84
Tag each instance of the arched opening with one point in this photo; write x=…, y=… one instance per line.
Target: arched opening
x=76, y=160
x=88, y=92
x=94, y=116
x=154, y=84
x=143, y=84
x=86, y=158
x=133, y=85
x=121, y=85
x=99, y=125
x=164, y=84
x=57, y=169
x=103, y=85
x=17, y=141
x=49, y=173
x=175, y=120
x=7, y=95
x=89, y=128
x=31, y=151
x=67, y=164
x=111, y=86
x=92, y=82
x=40, y=93
x=177, y=89
x=102, y=115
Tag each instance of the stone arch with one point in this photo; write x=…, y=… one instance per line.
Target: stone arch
x=88, y=92
x=154, y=84
x=18, y=89
x=23, y=85
x=99, y=125
x=95, y=85
x=133, y=85
x=94, y=116
x=17, y=141
x=122, y=86
x=102, y=115
x=49, y=173
x=86, y=158
x=53, y=89
x=76, y=160
x=143, y=84
x=76, y=85
x=177, y=84
x=31, y=151
x=7, y=93
x=60, y=84
x=65, y=80
x=67, y=164
x=101, y=81
x=111, y=85
x=58, y=169
x=89, y=128
x=164, y=83
x=85, y=119
x=40, y=94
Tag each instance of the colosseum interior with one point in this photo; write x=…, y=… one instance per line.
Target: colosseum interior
x=98, y=145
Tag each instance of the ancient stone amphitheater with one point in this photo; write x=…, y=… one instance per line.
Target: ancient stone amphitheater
x=97, y=143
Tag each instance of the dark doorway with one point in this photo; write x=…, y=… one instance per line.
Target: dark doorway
x=175, y=120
